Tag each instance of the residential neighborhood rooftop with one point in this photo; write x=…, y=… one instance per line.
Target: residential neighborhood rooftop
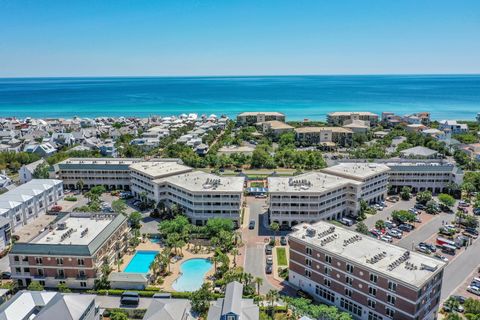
x=309, y=182
x=357, y=170
x=205, y=182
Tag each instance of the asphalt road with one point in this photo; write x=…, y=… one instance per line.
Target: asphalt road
x=255, y=244
x=114, y=302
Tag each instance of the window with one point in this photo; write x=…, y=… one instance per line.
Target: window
x=83, y=284
x=351, y=307
x=348, y=292
x=373, y=316
x=42, y=283
x=349, y=268
x=231, y=317
x=308, y=262
x=371, y=303
x=389, y=312
x=38, y=260
x=349, y=280
x=328, y=259
x=16, y=258
x=325, y=294
x=392, y=286
x=308, y=251
x=40, y=272
x=59, y=261
x=81, y=262
x=327, y=282
x=372, y=291
x=391, y=299
x=373, y=278
x=308, y=273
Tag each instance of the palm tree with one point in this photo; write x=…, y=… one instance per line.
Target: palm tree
x=272, y=297
x=258, y=282
x=274, y=227
x=80, y=184
x=235, y=254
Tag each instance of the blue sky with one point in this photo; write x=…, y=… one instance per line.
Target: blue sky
x=244, y=37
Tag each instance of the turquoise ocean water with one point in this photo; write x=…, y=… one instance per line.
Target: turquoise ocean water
x=299, y=97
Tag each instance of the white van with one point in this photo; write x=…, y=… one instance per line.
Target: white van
x=346, y=222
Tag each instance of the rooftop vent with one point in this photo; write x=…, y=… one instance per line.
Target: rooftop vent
x=351, y=240
x=377, y=257
x=328, y=239
x=427, y=267
x=330, y=230
x=404, y=257
x=311, y=232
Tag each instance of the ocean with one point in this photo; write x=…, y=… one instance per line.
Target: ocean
x=299, y=97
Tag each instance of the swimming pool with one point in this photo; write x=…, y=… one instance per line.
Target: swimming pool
x=192, y=274
x=141, y=261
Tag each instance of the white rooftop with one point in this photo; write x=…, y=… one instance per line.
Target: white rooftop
x=101, y=160
x=357, y=170
x=159, y=169
x=78, y=230
x=205, y=182
x=315, y=182
x=411, y=268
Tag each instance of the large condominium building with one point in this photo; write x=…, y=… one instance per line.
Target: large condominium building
x=30, y=200
x=72, y=251
x=324, y=135
x=311, y=197
x=372, y=176
x=331, y=194
x=144, y=174
x=203, y=196
x=368, y=278
x=339, y=118
x=433, y=175
x=251, y=118
x=112, y=173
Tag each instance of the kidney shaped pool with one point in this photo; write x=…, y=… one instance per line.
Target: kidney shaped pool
x=192, y=273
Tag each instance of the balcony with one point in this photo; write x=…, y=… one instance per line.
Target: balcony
x=81, y=277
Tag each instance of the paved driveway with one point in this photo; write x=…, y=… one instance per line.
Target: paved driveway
x=114, y=302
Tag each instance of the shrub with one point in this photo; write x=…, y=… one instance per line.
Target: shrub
x=70, y=198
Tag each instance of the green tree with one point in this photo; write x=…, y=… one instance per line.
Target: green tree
x=62, y=287
x=119, y=206
x=80, y=184
x=258, y=282
x=472, y=306
x=134, y=218
x=362, y=228
x=380, y=224
x=272, y=297
x=403, y=216
x=446, y=200
x=424, y=196
x=35, y=286
x=215, y=225
x=406, y=193
x=432, y=207
x=275, y=227
x=200, y=299
x=41, y=171
x=118, y=315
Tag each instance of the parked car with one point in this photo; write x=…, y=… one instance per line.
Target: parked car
x=460, y=299
x=440, y=257
x=162, y=295
x=476, y=211
x=305, y=295
x=6, y=275
x=420, y=206
x=261, y=196
x=413, y=210
x=269, y=261
x=474, y=289
x=430, y=246
x=386, y=238
x=268, y=269
x=390, y=224
x=406, y=227
x=346, y=221
x=394, y=233
x=423, y=249
x=463, y=204
x=130, y=298
x=283, y=241
x=472, y=231
x=251, y=225
x=376, y=233
x=268, y=249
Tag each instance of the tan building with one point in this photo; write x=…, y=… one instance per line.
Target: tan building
x=251, y=118
x=340, y=118
x=72, y=252
x=274, y=127
x=368, y=278
x=324, y=135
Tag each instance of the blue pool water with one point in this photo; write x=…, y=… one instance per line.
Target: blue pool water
x=192, y=274
x=155, y=240
x=141, y=261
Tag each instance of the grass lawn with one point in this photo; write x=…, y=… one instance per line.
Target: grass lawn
x=281, y=256
x=256, y=184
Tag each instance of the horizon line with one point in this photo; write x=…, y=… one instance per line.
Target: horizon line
x=241, y=76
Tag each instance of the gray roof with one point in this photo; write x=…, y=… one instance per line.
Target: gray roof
x=419, y=151
x=234, y=304
x=168, y=309
x=69, y=249
x=67, y=306
x=127, y=277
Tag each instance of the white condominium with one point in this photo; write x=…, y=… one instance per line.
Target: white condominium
x=339, y=118
x=256, y=117
x=331, y=194
x=373, y=176
x=144, y=174
x=30, y=200
x=203, y=196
